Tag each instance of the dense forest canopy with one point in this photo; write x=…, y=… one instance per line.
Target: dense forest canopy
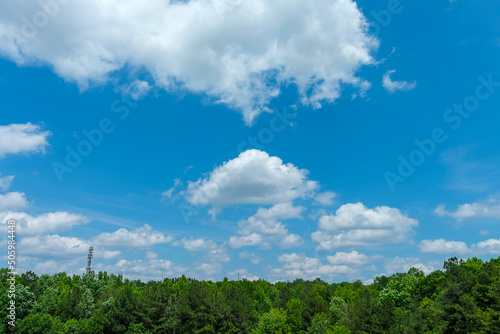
x=463, y=298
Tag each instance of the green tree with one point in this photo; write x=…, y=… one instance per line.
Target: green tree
x=85, y=307
x=25, y=301
x=360, y=318
x=40, y=324
x=320, y=325
x=338, y=309
x=429, y=317
x=273, y=322
x=294, y=314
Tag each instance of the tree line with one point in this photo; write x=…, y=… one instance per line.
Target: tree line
x=464, y=297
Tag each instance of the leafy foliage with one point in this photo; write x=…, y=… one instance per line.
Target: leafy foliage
x=464, y=298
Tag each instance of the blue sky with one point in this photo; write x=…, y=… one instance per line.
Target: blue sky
x=267, y=144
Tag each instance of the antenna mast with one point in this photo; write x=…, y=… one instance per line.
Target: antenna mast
x=89, y=260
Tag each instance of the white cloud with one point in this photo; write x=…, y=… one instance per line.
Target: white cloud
x=393, y=86
x=368, y=281
x=252, y=178
x=57, y=266
x=490, y=246
x=137, y=89
x=442, y=246
x=356, y=225
x=316, y=214
x=152, y=269
x=21, y=138
x=284, y=241
x=195, y=245
x=294, y=260
x=486, y=209
x=58, y=247
x=264, y=230
x=61, y=248
x=151, y=255
x=300, y=266
x=219, y=254
x=237, y=53
x=246, y=240
x=140, y=237
x=352, y=258
x=214, y=212
x=13, y=201
x=325, y=198
x=251, y=256
x=44, y=223
x=279, y=211
x=106, y=254
x=242, y=274
x=213, y=262
x=402, y=265
x=53, y=246
x=263, y=227
x=209, y=269
x=169, y=193
x=6, y=182
x=290, y=240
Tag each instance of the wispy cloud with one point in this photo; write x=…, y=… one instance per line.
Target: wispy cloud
x=466, y=173
x=394, y=86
